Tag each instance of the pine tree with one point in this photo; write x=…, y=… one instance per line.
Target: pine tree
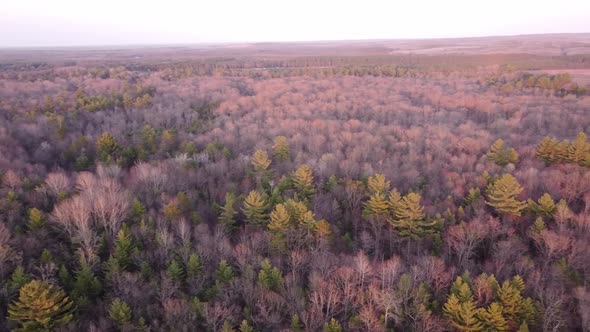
x=138, y=209
x=578, y=151
x=245, y=327
x=332, y=326
x=124, y=248
x=193, y=266
x=227, y=327
x=473, y=195
x=377, y=184
x=120, y=312
x=260, y=161
x=394, y=199
x=41, y=307
x=502, y=155
x=281, y=148
x=538, y=226
x=549, y=150
x=36, y=220
x=303, y=182
x=228, y=212
x=254, y=208
x=462, y=316
x=18, y=278
x=279, y=219
x=409, y=218
x=410, y=208
x=224, y=273
x=106, y=147
x=269, y=277
x=86, y=285
x=377, y=205
x=545, y=206
x=502, y=195
x=175, y=271
x=296, y=323
x=492, y=319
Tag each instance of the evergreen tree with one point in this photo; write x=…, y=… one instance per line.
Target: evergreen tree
x=106, y=147
x=502, y=195
x=254, y=208
x=545, y=206
x=492, y=319
x=18, y=278
x=41, y=307
x=296, y=323
x=193, y=266
x=260, y=162
x=36, y=220
x=377, y=205
x=120, y=312
x=281, y=148
x=228, y=212
x=302, y=180
x=332, y=326
x=578, y=151
x=279, y=219
x=502, y=155
x=394, y=199
x=124, y=248
x=245, y=327
x=270, y=277
x=462, y=316
x=409, y=218
x=224, y=273
x=549, y=150
x=86, y=285
x=377, y=184
x=175, y=271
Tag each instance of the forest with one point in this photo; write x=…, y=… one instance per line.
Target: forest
x=141, y=190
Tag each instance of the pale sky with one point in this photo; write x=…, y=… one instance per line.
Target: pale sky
x=119, y=22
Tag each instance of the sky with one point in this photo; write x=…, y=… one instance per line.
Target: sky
x=43, y=23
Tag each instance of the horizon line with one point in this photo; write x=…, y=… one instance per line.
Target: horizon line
x=221, y=43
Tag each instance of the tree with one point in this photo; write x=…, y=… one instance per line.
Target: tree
x=224, y=273
x=106, y=147
x=86, y=285
x=377, y=205
x=245, y=327
x=332, y=326
x=280, y=149
x=303, y=182
x=269, y=277
x=545, y=206
x=175, y=271
x=502, y=195
x=228, y=212
x=279, y=219
x=41, y=307
x=502, y=155
x=409, y=218
x=260, y=162
x=193, y=266
x=255, y=207
x=36, y=219
x=377, y=184
x=492, y=319
x=124, y=248
x=120, y=312
x=579, y=150
x=550, y=150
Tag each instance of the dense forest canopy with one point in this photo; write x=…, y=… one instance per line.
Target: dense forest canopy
x=294, y=192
